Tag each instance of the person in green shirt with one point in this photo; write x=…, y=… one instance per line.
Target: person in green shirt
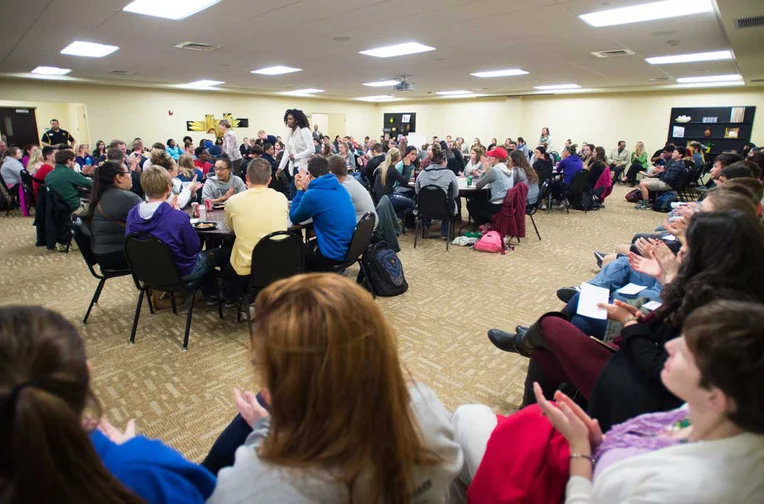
x=64, y=181
x=638, y=163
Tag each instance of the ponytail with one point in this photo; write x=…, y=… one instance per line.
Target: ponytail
x=382, y=168
x=103, y=179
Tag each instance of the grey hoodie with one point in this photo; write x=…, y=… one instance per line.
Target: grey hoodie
x=252, y=480
x=502, y=179
x=441, y=176
x=214, y=188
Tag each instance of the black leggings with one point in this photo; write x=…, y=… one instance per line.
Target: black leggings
x=482, y=210
x=112, y=261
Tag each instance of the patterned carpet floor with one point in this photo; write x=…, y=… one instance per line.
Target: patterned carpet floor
x=184, y=398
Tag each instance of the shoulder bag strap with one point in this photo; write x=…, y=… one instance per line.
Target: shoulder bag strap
x=120, y=222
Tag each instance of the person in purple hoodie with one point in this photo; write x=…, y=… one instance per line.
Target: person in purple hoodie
x=164, y=221
x=570, y=165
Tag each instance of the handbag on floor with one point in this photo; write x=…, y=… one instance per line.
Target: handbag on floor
x=634, y=196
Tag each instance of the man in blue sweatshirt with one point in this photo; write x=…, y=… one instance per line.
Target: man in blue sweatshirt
x=663, y=178
x=320, y=196
x=173, y=227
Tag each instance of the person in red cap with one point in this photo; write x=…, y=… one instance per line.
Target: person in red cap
x=501, y=178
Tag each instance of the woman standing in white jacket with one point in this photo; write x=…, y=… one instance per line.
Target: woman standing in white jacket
x=299, y=146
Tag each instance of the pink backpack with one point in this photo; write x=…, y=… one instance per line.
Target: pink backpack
x=490, y=242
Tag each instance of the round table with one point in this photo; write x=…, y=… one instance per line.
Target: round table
x=223, y=231
x=464, y=190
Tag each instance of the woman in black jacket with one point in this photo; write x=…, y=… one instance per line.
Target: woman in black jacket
x=385, y=177
x=721, y=260
x=597, y=166
x=542, y=164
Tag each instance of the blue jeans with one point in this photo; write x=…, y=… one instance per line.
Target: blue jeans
x=206, y=262
x=401, y=203
x=222, y=452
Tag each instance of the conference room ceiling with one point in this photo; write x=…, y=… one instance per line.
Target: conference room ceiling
x=543, y=37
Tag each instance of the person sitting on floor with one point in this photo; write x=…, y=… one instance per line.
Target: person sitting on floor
x=156, y=217
x=360, y=197
x=223, y=185
x=438, y=174
x=54, y=444
x=716, y=262
x=251, y=215
x=569, y=166
x=321, y=197
x=707, y=451
x=64, y=181
x=663, y=178
x=110, y=202
x=325, y=436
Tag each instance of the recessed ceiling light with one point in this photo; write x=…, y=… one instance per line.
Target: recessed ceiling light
x=169, y=9
x=398, y=50
x=500, y=73
x=454, y=92
x=276, y=70
x=88, y=49
x=202, y=84
x=710, y=78
x=378, y=98
x=383, y=83
x=690, y=58
x=50, y=70
x=709, y=84
x=303, y=92
x=554, y=87
x=647, y=12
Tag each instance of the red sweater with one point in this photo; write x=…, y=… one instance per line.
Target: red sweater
x=40, y=175
x=526, y=461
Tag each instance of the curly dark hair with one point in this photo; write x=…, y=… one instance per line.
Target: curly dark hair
x=723, y=262
x=299, y=116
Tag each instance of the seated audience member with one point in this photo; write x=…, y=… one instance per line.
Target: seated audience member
x=587, y=155
x=346, y=154
x=56, y=447
x=360, y=197
x=182, y=193
x=698, y=156
x=720, y=162
x=663, y=178
x=385, y=179
x=406, y=167
x=597, y=165
x=12, y=168
x=619, y=160
x=517, y=159
x=252, y=214
x=639, y=163
x=758, y=158
x=707, y=451
x=29, y=151
x=321, y=197
x=718, y=261
x=223, y=184
x=64, y=181
x=377, y=158
x=84, y=160
x=173, y=227
x=739, y=169
x=35, y=161
x=320, y=441
x=660, y=156
x=569, y=166
x=173, y=150
x=49, y=161
x=501, y=179
x=542, y=163
x=474, y=166
x=187, y=170
x=438, y=174
x=110, y=202
x=202, y=160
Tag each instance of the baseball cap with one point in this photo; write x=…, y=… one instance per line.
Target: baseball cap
x=497, y=152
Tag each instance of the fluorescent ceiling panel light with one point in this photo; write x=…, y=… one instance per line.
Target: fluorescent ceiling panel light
x=455, y=92
x=202, y=84
x=398, y=50
x=709, y=84
x=49, y=70
x=88, y=49
x=690, y=58
x=169, y=9
x=383, y=83
x=647, y=12
x=554, y=87
x=500, y=73
x=304, y=92
x=276, y=70
x=710, y=78
x=378, y=98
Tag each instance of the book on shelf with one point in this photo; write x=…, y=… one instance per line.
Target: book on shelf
x=731, y=132
x=678, y=132
x=737, y=115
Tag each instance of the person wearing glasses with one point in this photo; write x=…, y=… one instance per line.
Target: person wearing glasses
x=110, y=201
x=223, y=185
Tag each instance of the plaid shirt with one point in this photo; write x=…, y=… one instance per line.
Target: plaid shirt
x=230, y=146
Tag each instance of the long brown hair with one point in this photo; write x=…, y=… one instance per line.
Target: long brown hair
x=186, y=166
x=45, y=454
x=518, y=160
x=339, y=399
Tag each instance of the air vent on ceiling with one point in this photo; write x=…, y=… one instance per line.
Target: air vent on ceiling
x=122, y=72
x=613, y=53
x=750, y=22
x=197, y=46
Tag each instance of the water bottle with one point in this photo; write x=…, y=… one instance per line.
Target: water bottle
x=469, y=181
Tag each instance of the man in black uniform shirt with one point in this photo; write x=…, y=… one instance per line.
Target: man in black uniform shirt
x=56, y=135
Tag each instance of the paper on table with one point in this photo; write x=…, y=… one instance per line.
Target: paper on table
x=588, y=300
x=652, y=305
x=631, y=289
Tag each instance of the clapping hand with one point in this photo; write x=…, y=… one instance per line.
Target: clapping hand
x=645, y=244
x=248, y=407
x=195, y=186
x=174, y=202
x=620, y=311
x=114, y=434
x=227, y=194
x=575, y=425
x=677, y=227
x=645, y=264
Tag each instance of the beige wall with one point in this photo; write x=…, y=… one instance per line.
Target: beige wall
x=602, y=119
x=126, y=112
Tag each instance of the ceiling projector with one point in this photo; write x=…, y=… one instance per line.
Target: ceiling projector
x=405, y=86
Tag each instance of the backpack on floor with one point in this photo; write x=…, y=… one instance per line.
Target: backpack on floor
x=585, y=200
x=663, y=201
x=385, y=270
x=634, y=196
x=490, y=242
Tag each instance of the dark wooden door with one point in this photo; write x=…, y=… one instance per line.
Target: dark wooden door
x=19, y=126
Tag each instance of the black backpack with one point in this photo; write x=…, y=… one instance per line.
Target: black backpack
x=585, y=200
x=384, y=269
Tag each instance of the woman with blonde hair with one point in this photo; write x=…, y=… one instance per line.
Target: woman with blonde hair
x=35, y=161
x=639, y=162
x=187, y=170
x=343, y=422
x=385, y=177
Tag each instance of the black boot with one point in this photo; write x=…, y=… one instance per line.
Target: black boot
x=534, y=337
x=536, y=374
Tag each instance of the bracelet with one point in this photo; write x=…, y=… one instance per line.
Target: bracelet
x=629, y=319
x=580, y=456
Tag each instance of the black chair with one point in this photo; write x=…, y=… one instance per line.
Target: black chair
x=82, y=236
x=364, y=231
x=433, y=204
x=277, y=255
x=530, y=210
x=153, y=267
x=13, y=196
x=576, y=188
x=26, y=183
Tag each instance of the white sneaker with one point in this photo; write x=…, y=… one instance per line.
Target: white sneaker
x=543, y=206
x=562, y=204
